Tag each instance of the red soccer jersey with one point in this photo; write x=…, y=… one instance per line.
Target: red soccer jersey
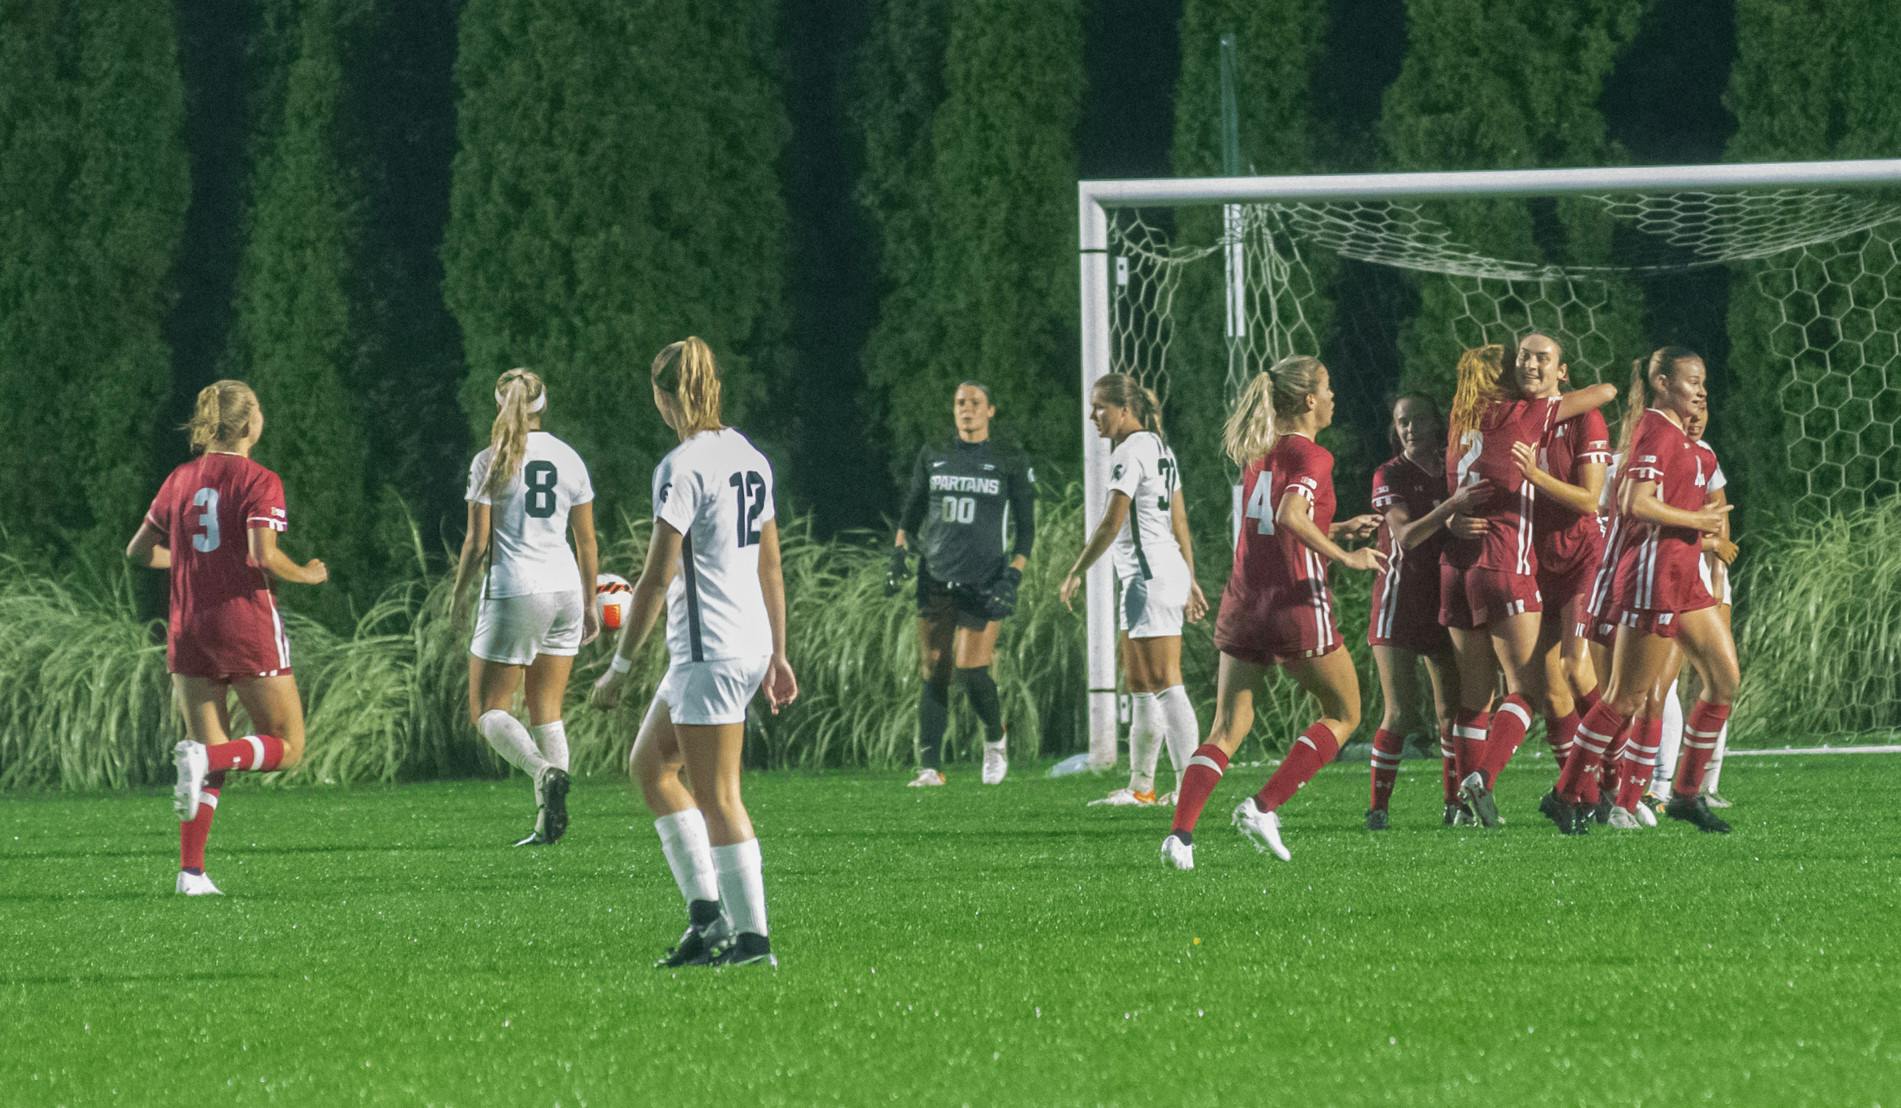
x=1406, y=593
x=1266, y=558
x=223, y=618
x=1566, y=538
x=1657, y=567
x=1485, y=454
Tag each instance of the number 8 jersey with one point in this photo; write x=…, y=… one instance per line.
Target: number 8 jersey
x=715, y=489
x=528, y=519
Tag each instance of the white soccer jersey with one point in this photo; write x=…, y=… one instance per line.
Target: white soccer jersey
x=1143, y=469
x=528, y=520
x=716, y=490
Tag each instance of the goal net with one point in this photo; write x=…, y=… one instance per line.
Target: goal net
x=1784, y=276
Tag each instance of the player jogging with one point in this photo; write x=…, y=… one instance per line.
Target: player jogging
x=1410, y=494
x=1488, y=586
x=214, y=525
x=1661, y=496
x=1277, y=610
x=527, y=491
x=1145, y=528
x=965, y=496
x=714, y=556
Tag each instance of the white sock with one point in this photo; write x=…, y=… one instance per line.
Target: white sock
x=1672, y=741
x=683, y=841
x=1715, y=771
x=552, y=738
x=742, y=890
x=1179, y=724
x=510, y=739
x=1145, y=741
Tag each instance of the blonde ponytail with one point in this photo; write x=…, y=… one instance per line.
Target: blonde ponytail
x=686, y=371
x=519, y=395
x=1278, y=392
x=1663, y=360
x=1481, y=373
x=221, y=415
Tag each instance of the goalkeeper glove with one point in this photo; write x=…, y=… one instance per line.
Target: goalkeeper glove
x=899, y=570
x=1001, y=600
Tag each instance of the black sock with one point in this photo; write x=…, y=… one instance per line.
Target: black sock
x=701, y=913
x=933, y=714
x=981, y=688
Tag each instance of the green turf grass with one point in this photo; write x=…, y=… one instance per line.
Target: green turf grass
x=968, y=944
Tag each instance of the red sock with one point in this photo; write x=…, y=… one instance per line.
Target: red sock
x=1587, y=700
x=1387, y=747
x=252, y=753
x=193, y=832
x=1596, y=732
x=1506, y=732
x=1315, y=748
x=1204, y=771
x=1448, y=767
x=1468, y=740
x=1608, y=772
x=1558, y=732
x=1639, y=761
x=1700, y=734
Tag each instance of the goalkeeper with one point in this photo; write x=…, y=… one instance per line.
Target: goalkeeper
x=966, y=497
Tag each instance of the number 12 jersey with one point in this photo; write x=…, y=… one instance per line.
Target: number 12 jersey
x=715, y=489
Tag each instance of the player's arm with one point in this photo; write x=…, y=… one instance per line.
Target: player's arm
x=910, y=518
x=1718, y=543
x=474, y=549
x=1581, y=498
x=148, y=548
x=781, y=685
x=264, y=553
x=1295, y=515
x=1113, y=517
x=587, y=557
x=1578, y=401
x=650, y=595
x=1409, y=532
x=1640, y=501
x=1023, y=513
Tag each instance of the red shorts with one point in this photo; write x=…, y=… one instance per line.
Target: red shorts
x=1275, y=628
x=1596, y=630
x=1478, y=597
x=1560, y=588
x=1664, y=625
x=223, y=659
x=1407, y=617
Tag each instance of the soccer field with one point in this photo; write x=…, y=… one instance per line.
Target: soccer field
x=969, y=944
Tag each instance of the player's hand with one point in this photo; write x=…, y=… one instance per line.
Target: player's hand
x=1469, y=498
x=781, y=684
x=898, y=571
x=1000, y=599
x=1072, y=584
x=1526, y=455
x=605, y=694
x=315, y=572
x=1363, y=526
x=1197, y=607
x=1721, y=547
x=1462, y=526
x=1365, y=558
x=590, y=622
x=1710, y=520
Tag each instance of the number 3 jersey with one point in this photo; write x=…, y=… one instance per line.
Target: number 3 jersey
x=223, y=618
x=528, y=518
x=715, y=489
x=1143, y=469
x=963, y=500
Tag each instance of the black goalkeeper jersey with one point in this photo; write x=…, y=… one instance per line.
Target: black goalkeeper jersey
x=965, y=499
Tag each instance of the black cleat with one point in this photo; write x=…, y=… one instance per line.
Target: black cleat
x=706, y=931
x=1479, y=799
x=1376, y=819
x=554, y=805
x=1572, y=819
x=1551, y=806
x=1695, y=810
x=1601, y=811
x=1458, y=815
x=745, y=949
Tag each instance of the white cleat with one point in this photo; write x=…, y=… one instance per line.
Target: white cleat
x=1263, y=829
x=1126, y=798
x=1177, y=854
x=196, y=884
x=1168, y=798
x=926, y=778
x=1647, y=811
x=192, y=765
x=1624, y=820
x=996, y=762
x=1715, y=800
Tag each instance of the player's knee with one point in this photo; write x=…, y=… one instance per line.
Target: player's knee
x=1348, y=713
x=293, y=741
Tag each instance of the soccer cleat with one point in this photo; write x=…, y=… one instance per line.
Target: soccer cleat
x=553, y=820
x=1263, y=829
x=1571, y=819
x=196, y=884
x=1479, y=798
x=1178, y=854
x=1602, y=812
x=1716, y=800
x=1168, y=798
x=1695, y=810
x=927, y=778
x=697, y=946
x=745, y=949
x=1126, y=798
x=534, y=837
x=1549, y=805
x=192, y=765
x=1376, y=819
x=1625, y=820
x=996, y=762
x=1457, y=815
x=1647, y=810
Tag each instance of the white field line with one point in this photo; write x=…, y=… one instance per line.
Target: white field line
x=1890, y=748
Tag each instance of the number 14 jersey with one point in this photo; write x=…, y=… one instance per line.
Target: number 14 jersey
x=715, y=489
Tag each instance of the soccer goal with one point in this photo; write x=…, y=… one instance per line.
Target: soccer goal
x=1788, y=270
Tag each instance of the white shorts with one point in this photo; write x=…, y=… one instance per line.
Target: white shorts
x=1152, y=607
x=706, y=693
x=513, y=630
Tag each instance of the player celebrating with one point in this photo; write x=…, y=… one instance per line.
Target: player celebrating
x=527, y=490
x=1404, y=630
x=965, y=495
x=1661, y=496
x=1489, y=597
x=1277, y=609
x=214, y=525
x=1145, y=527
x=714, y=555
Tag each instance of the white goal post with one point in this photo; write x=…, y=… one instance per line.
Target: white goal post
x=1354, y=215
